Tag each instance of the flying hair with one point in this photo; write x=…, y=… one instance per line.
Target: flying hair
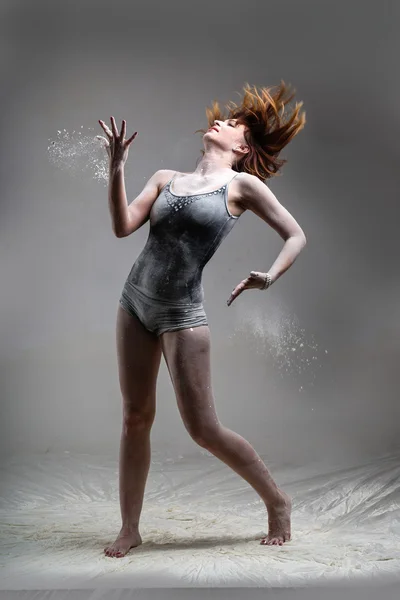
x=270, y=126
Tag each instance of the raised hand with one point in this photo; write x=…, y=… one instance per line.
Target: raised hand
x=115, y=144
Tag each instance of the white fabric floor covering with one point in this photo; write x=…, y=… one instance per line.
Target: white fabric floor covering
x=201, y=525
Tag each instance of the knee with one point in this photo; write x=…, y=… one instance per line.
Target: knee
x=205, y=436
x=137, y=420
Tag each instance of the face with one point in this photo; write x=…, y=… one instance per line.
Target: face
x=227, y=135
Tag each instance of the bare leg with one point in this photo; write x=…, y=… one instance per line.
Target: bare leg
x=139, y=354
x=187, y=353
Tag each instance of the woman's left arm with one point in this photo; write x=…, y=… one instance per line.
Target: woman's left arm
x=258, y=198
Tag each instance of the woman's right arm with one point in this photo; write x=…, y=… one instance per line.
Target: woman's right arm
x=127, y=219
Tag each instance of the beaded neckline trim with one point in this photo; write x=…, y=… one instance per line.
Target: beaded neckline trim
x=176, y=202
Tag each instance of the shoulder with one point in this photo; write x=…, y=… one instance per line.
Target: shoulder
x=164, y=174
x=249, y=182
x=251, y=190
x=161, y=177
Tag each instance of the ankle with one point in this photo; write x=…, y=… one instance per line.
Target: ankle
x=129, y=529
x=276, y=500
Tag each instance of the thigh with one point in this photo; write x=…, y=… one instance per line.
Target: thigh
x=187, y=354
x=139, y=354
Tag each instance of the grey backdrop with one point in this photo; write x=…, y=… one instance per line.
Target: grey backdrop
x=158, y=64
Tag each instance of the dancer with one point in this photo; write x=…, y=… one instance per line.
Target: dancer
x=160, y=311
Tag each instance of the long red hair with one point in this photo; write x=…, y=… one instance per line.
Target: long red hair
x=270, y=125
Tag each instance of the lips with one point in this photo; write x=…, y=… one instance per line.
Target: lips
x=216, y=129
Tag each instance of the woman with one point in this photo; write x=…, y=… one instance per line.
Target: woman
x=161, y=309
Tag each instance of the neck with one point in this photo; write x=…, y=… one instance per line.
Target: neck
x=212, y=162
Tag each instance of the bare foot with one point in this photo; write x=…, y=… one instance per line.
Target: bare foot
x=124, y=542
x=279, y=522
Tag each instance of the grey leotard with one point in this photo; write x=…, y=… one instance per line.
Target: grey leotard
x=164, y=289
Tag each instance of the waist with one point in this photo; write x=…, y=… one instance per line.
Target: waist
x=165, y=292
x=169, y=274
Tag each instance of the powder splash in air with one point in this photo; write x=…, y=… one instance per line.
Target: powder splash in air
x=78, y=153
x=279, y=336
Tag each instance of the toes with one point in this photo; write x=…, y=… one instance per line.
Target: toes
x=275, y=541
x=113, y=553
x=272, y=542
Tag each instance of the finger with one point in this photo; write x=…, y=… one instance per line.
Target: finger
x=123, y=129
x=236, y=292
x=114, y=127
x=106, y=129
x=103, y=139
x=233, y=296
x=131, y=139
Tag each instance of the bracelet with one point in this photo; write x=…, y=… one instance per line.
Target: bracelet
x=268, y=281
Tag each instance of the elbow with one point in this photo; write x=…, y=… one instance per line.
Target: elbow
x=301, y=235
x=125, y=229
